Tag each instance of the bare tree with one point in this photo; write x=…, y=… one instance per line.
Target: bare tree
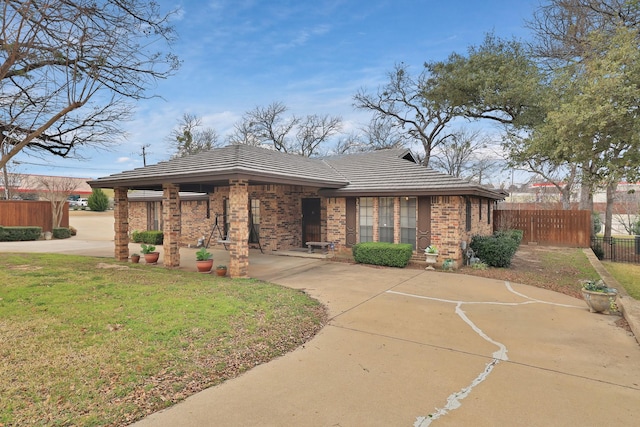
x=69, y=68
x=56, y=189
x=314, y=130
x=380, y=134
x=402, y=101
x=187, y=138
x=271, y=127
x=626, y=210
x=463, y=155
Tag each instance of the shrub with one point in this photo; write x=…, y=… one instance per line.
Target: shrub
x=154, y=237
x=61, y=233
x=516, y=235
x=98, y=201
x=498, y=249
x=596, y=223
x=598, y=251
x=15, y=234
x=380, y=253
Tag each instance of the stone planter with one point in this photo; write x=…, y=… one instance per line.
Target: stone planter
x=431, y=259
x=599, y=302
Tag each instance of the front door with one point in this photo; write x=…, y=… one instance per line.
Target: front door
x=311, y=221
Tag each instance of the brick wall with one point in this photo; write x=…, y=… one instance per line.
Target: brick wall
x=336, y=211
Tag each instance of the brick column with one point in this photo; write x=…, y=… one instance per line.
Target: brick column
x=239, y=228
x=172, y=224
x=376, y=222
x=121, y=223
x=396, y=220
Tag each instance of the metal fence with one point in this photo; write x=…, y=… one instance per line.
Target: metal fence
x=617, y=249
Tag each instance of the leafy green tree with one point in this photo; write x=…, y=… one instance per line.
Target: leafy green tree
x=98, y=200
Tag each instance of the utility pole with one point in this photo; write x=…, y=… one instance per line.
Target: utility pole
x=144, y=154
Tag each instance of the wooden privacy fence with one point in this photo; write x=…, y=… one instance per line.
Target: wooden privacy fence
x=30, y=213
x=547, y=227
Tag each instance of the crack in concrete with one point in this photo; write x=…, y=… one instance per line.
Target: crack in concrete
x=454, y=399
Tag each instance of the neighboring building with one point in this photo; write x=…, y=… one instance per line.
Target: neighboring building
x=30, y=187
x=282, y=201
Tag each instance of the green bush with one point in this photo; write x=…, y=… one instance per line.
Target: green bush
x=516, y=235
x=598, y=251
x=61, y=233
x=15, y=234
x=153, y=237
x=98, y=201
x=380, y=253
x=498, y=249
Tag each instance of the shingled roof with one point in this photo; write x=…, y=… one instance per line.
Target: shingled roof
x=396, y=172
x=372, y=173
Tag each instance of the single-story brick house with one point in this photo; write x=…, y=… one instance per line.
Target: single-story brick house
x=282, y=200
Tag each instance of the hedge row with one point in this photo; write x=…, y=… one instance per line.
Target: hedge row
x=380, y=253
x=153, y=237
x=498, y=249
x=61, y=233
x=15, y=234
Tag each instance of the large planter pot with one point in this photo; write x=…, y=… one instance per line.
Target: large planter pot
x=151, y=257
x=599, y=302
x=204, y=266
x=431, y=259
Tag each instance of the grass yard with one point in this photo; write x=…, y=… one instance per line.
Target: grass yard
x=628, y=275
x=88, y=341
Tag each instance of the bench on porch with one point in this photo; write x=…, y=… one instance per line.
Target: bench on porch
x=323, y=245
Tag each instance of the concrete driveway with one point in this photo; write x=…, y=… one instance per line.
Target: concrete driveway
x=417, y=348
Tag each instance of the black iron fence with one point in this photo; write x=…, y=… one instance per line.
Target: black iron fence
x=617, y=249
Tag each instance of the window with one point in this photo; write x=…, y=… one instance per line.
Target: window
x=366, y=219
x=408, y=220
x=385, y=219
x=468, y=211
x=254, y=221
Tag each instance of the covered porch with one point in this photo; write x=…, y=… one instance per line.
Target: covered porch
x=230, y=176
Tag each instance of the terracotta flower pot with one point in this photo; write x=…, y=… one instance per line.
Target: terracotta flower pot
x=221, y=271
x=135, y=259
x=204, y=266
x=152, y=257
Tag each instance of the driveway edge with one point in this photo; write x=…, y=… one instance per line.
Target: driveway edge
x=629, y=307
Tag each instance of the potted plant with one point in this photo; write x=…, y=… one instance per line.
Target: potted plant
x=599, y=297
x=431, y=254
x=221, y=270
x=135, y=258
x=204, y=260
x=150, y=254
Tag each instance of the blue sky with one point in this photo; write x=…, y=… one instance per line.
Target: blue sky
x=312, y=56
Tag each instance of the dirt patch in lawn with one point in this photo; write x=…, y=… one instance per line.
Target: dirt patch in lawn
x=554, y=268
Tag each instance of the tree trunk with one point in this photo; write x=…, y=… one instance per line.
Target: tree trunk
x=611, y=193
x=586, y=193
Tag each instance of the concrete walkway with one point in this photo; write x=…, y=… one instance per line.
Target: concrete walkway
x=417, y=348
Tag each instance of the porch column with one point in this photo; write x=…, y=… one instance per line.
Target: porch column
x=121, y=223
x=238, y=228
x=172, y=224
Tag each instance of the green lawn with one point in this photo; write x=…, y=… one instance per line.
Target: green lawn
x=627, y=274
x=82, y=345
